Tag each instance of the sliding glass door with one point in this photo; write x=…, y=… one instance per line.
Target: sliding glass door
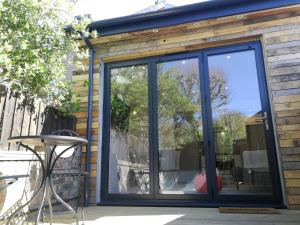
x=128, y=170
x=180, y=128
x=190, y=127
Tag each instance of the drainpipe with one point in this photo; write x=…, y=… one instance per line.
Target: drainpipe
x=89, y=121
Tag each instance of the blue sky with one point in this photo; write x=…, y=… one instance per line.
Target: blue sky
x=105, y=9
x=242, y=82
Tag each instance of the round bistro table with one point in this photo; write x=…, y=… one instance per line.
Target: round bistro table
x=46, y=145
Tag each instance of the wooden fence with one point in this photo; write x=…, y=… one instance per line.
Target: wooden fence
x=18, y=117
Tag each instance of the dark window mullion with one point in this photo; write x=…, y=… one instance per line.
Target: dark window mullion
x=207, y=126
x=154, y=108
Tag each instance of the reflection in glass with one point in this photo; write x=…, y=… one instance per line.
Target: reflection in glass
x=239, y=124
x=128, y=153
x=181, y=156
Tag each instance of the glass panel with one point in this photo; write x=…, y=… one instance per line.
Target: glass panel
x=129, y=148
x=238, y=123
x=181, y=155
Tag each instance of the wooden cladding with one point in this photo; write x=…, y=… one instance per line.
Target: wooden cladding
x=279, y=31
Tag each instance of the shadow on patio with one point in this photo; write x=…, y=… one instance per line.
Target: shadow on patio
x=177, y=216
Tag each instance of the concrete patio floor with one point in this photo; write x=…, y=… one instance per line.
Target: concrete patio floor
x=176, y=216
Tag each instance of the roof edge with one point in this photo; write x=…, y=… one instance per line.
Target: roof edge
x=184, y=14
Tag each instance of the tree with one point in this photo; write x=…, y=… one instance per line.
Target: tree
x=229, y=128
x=35, y=51
x=179, y=102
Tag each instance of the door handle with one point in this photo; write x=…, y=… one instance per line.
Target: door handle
x=264, y=118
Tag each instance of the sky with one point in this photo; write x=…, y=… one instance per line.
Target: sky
x=105, y=9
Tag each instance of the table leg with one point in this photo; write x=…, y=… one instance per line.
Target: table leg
x=63, y=202
x=40, y=187
x=50, y=205
x=41, y=204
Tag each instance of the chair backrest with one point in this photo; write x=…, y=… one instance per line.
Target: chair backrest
x=71, y=158
x=65, y=132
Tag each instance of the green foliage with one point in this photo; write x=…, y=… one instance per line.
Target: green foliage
x=129, y=100
x=179, y=103
x=119, y=114
x=35, y=51
x=229, y=128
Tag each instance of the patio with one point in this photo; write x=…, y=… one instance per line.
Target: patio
x=104, y=215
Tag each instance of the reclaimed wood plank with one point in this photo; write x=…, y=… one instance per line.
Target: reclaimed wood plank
x=26, y=122
x=288, y=120
x=284, y=57
x=34, y=119
x=282, y=33
x=285, y=38
x=290, y=150
x=3, y=97
x=293, y=183
x=293, y=91
x=84, y=125
x=291, y=165
x=287, y=106
x=294, y=199
x=291, y=158
x=286, y=99
x=285, y=77
x=288, y=113
x=7, y=121
x=284, y=63
x=41, y=118
x=285, y=70
x=292, y=174
x=285, y=85
x=291, y=127
x=286, y=143
x=18, y=121
x=293, y=191
x=289, y=134
x=284, y=51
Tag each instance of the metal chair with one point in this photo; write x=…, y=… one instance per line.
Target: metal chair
x=69, y=165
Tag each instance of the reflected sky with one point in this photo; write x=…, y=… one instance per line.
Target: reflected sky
x=242, y=84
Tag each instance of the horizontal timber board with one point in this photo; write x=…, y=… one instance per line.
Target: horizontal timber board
x=284, y=51
x=293, y=191
x=287, y=106
x=285, y=63
x=200, y=44
x=288, y=143
x=284, y=57
x=291, y=158
x=290, y=150
x=294, y=199
x=282, y=33
x=285, y=38
x=84, y=125
x=293, y=183
x=288, y=113
x=285, y=85
x=285, y=77
x=288, y=98
x=289, y=134
x=83, y=131
x=285, y=70
x=288, y=120
x=291, y=165
x=292, y=127
x=78, y=115
x=292, y=174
